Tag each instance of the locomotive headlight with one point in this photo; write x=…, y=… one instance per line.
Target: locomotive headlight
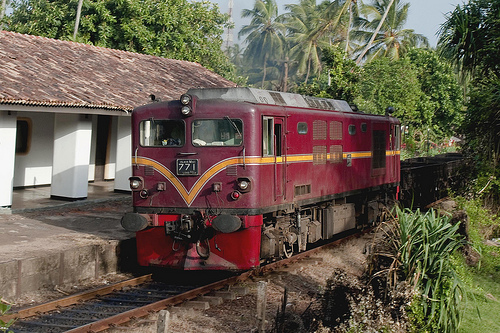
x=186, y=110
x=185, y=99
x=244, y=184
x=136, y=183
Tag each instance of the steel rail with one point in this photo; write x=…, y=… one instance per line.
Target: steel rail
x=74, y=299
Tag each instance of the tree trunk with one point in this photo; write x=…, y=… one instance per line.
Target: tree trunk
x=348, y=30
x=264, y=73
x=2, y=10
x=308, y=69
x=285, y=79
x=375, y=33
x=77, y=21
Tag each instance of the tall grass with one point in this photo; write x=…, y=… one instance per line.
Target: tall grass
x=4, y=326
x=421, y=247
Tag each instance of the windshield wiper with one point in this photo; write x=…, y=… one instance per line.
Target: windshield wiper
x=237, y=130
x=234, y=125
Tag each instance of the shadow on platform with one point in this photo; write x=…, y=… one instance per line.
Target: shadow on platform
x=38, y=198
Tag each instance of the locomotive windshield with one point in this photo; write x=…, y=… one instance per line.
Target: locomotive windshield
x=162, y=133
x=217, y=132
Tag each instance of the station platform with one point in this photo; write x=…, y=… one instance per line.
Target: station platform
x=46, y=242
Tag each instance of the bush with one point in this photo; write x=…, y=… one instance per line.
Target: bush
x=419, y=250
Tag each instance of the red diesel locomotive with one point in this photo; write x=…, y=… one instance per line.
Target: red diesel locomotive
x=224, y=179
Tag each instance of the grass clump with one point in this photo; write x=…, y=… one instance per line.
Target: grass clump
x=419, y=251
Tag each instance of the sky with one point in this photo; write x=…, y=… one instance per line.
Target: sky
x=424, y=16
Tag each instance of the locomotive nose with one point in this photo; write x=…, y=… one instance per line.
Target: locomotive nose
x=134, y=222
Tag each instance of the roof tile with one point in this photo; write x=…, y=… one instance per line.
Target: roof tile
x=42, y=71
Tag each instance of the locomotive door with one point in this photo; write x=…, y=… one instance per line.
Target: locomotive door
x=395, y=145
x=273, y=145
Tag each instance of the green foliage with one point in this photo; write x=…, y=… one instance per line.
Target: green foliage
x=484, y=225
x=443, y=95
x=425, y=93
x=423, y=246
x=304, y=37
x=339, y=78
x=483, y=279
x=387, y=83
x=175, y=29
x=470, y=38
x=482, y=122
x=4, y=326
x=424, y=142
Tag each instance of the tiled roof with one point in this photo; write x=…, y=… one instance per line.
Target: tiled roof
x=40, y=71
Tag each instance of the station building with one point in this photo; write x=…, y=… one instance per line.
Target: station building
x=65, y=111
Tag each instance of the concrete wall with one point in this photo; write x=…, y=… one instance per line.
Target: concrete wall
x=35, y=167
x=19, y=277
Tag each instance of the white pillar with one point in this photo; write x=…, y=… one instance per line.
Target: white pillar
x=93, y=148
x=72, y=142
x=8, y=125
x=110, y=168
x=123, y=154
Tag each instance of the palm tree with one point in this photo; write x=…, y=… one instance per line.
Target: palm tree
x=382, y=33
x=312, y=28
x=301, y=21
x=460, y=38
x=369, y=44
x=265, y=34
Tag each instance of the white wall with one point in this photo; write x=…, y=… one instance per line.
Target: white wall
x=35, y=167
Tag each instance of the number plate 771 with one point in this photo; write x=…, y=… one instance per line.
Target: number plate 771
x=187, y=167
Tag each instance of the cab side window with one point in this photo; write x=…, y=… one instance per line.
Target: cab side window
x=267, y=136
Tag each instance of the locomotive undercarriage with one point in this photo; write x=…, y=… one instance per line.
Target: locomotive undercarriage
x=285, y=233
x=199, y=239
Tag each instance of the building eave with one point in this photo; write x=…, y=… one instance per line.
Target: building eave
x=63, y=107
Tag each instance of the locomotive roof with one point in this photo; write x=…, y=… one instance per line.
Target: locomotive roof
x=260, y=96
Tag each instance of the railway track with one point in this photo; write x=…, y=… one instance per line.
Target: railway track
x=111, y=306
